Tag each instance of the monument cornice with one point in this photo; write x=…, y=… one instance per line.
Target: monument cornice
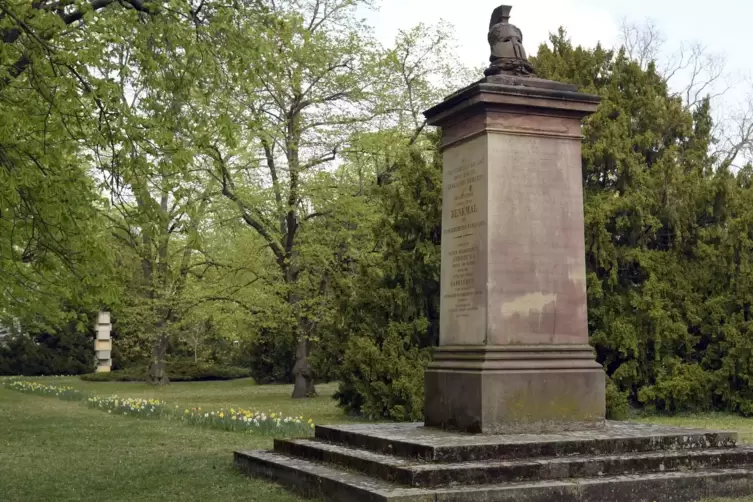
x=529, y=95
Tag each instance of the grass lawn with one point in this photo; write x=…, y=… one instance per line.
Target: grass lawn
x=53, y=450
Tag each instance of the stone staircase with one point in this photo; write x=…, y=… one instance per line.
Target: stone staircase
x=411, y=463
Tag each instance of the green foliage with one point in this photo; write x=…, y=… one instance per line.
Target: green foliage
x=178, y=371
x=132, y=374
x=64, y=392
x=668, y=248
x=185, y=153
x=618, y=407
x=392, y=311
x=667, y=238
x=269, y=357
x=128, y=406
x=386, y=380
x=177, y=166
x=66, y=351
x=52, y=239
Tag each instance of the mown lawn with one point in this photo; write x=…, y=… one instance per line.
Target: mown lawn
x=53, y=450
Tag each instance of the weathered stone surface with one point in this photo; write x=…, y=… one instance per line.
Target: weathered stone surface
x=513, y=271
x=103, y=343
x=103, y=318
x=321, y=481
x=313, y=479
x=409, y=462
x=520, y=389
x=429, y=474
x=103, y=332
x=514, y=354
x=417, y=441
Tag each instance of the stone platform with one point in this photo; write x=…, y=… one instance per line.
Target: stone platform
x=411, y=463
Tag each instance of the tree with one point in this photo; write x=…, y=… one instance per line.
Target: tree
x=665, y=238
x=51, y=238
x=318, y=80
x=390, y=310
x=35, y=31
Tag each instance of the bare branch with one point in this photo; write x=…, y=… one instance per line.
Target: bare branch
x=228, y=190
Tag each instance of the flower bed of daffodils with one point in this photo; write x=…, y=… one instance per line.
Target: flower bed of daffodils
x=134, y=406
x=60, y=391
x=247, y=420
x=240, y=419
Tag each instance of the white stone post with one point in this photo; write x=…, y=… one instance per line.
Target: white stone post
x=103, y=343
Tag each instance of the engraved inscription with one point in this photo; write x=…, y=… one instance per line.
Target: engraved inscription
x=463, y=263
x=464, y=222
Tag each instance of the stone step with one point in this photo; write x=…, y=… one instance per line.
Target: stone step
x=416, y=441
x=331, y=484
x=415, y=474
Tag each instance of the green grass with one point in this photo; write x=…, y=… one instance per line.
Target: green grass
x=717, y=421
x=55, y=450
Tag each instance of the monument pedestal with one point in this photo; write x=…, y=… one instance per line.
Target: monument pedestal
x=516, y=389
x=514, y=353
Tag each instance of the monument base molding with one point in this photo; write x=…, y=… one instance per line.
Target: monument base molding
x=517, y=389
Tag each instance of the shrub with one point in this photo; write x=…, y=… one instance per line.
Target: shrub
x=390, y=306
x=65, y=351
x=178, y=371
x=133, y=374
x=678, y=388
x=185, y=371
x=386, y=381
x=270, y=356
x=618, y=407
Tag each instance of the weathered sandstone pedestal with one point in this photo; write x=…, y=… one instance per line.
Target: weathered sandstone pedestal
x=514, y=353
x=514, y=405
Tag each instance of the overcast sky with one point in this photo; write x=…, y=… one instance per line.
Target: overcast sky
x=724, y=26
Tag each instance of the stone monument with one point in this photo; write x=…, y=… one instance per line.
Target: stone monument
x=103, y=343
x=514, y=353
x=514, y=406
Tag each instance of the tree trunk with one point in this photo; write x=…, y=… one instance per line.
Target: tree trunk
x=158, y=368
x=302, y=371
